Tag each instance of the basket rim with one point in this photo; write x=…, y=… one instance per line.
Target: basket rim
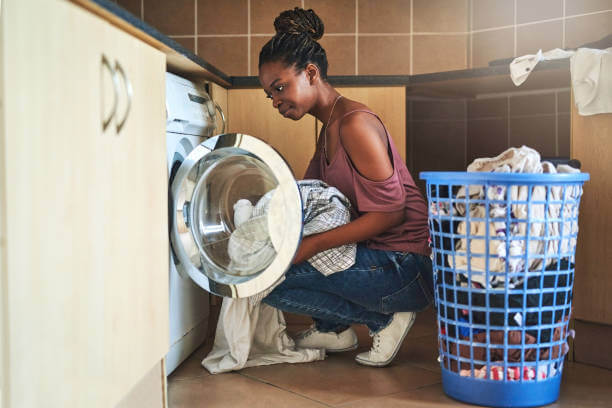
x=463, y=177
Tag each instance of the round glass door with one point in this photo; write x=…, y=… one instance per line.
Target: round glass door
x=236, y=215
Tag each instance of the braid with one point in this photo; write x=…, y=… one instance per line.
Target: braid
x=295, y=42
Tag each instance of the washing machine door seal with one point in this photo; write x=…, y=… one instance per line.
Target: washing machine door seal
x=211, y=179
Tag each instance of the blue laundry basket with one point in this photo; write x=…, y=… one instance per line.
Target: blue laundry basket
x=503, y=251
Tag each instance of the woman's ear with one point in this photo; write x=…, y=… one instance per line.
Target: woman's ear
x=312, y=72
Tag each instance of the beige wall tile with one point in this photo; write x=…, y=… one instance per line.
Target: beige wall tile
x=532, y=104
x=544, y=36
x=256, y=44
x=437, y=110
x=563, y=134
x=389, y=16
x=487, y=108
x=338, y=16
x=436, y=53
x=492, y=13
x=486, y=138
x=188, y=43
x=384, y=55
x=563, y=102
x=529, y=10
x=438, y=145
x=229, y=54
x=537, y=132
x=492, y=45
x=581, y=30
x=133, y=6
x=171, y=17
x=263, y=13
x=340, y=52
x=222, y=17
x=586, y=6
x=440, y=16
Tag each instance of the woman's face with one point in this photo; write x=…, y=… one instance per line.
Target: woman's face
x=291, y=92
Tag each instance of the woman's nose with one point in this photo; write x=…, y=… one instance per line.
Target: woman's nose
x=276, y=102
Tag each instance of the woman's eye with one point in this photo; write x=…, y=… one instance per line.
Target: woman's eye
x=268, y=96
x=280, y=88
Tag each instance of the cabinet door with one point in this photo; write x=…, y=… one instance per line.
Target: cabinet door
x=55, y=157
x=136, y=278
x=251, y=113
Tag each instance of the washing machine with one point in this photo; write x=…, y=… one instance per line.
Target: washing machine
x=190, y=119
x=211, y=251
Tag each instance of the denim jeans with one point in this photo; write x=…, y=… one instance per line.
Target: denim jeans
x=379, y=284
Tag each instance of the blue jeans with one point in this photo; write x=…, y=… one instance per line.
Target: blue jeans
x=379, y=284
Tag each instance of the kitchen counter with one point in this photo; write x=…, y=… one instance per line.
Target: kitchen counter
x=459, y=83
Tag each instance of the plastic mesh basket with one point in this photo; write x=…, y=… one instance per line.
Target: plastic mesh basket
x=503, y=249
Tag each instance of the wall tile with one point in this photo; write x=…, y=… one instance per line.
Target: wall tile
x=581, y=30
x=486, y=138
x=229, y=54
x=389, y=16
x=340, y=52
x=171, y=17
x=441, y=109
x=492, y=45
x=188, y=43
x=487, y=108
x=263, y=13
x=544, y=36
x=537, y=132
x=492, y=13
x=563, y=134
x=133, y=6
x=338, y=16
x=533, y=104
x=256, y=44
x=429, y=137
x=563, y=102
x=529, y=10
x=222, y=17
x=573, y=7
x=384, y=55
x=450, y=53
x=440, y=16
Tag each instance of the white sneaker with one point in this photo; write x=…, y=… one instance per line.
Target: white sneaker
x=387, y=342
x=332, y=342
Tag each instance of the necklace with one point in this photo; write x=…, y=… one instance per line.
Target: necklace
x=327, y=124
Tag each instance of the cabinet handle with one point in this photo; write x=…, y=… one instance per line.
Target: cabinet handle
x=129, y=92
x=222, y=116
x=106, y=121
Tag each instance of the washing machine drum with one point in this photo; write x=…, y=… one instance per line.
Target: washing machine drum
x=235, y=216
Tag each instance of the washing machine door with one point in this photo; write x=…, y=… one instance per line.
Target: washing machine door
x=234, y=253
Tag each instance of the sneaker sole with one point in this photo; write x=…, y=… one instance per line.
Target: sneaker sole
x=384, y=363
x=349, y=348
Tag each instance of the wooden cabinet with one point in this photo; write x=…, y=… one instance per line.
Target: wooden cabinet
x=84, y=248
x=250, y=112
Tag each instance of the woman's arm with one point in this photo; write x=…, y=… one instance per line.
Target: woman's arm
x=365, y=141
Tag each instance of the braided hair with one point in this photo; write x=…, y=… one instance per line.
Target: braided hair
x=295, y=42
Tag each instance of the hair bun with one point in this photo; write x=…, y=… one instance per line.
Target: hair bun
x=300, y=21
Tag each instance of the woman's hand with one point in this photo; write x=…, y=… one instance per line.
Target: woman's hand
x=306, y=250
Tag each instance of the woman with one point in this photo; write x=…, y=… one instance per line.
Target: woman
x=391, y=278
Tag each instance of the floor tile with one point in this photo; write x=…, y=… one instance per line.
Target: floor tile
x=431, y=396
x=232, y=390
x=585, y=386
x=192, y=367
x=339, y=379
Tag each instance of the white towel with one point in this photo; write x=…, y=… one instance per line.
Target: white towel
x=591, y=73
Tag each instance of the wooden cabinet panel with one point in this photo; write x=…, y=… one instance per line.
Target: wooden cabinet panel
x=592, y=145
x=250, y=112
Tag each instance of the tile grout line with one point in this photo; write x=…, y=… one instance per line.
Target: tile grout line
x=249, y=37
x=356, y=37
x=195, y=28
x=281, y=388
x=411, y=37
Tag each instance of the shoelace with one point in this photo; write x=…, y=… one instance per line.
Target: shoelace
x=307, y=333
x=376, y=343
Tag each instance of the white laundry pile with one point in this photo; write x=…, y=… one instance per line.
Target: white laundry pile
x=507, y=244
x=591, y=75
x=250, y=333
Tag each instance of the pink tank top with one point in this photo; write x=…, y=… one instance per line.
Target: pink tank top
x=395, y=193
